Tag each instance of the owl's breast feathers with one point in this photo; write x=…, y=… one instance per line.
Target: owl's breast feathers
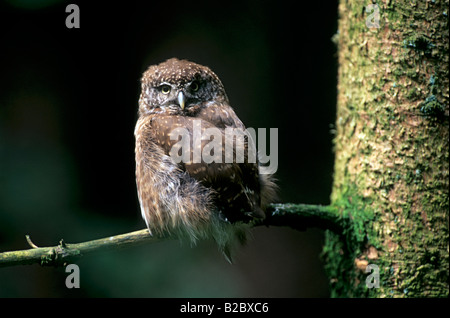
x=235, y=186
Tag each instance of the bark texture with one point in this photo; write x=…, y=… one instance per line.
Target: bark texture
x=392, y=135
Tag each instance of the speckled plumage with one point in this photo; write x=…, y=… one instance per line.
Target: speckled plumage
x=192, y=199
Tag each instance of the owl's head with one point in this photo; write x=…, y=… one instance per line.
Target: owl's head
x=179, y=87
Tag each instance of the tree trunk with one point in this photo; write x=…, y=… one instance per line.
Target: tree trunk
x=392, y=136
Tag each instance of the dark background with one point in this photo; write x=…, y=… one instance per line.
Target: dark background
x=68, y=106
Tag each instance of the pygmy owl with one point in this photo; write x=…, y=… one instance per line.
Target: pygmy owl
x=196, y=197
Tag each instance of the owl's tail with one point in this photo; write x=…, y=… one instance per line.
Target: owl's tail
x=269, y=190
x=229, y=236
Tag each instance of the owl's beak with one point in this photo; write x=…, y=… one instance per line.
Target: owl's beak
x=181, y=99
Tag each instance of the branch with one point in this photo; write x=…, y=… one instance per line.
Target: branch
x=296, y=216
x=303, y=216
x=66, y=253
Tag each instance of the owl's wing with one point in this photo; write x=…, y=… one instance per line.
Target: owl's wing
x=223, y=116
x=235, y=183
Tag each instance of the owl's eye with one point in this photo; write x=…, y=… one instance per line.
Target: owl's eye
x=165, y=89
x=194, y=86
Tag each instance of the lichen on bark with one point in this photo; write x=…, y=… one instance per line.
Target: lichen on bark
x=391, y=147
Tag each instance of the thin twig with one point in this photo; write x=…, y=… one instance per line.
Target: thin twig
x=65, y=253
x=31, y=242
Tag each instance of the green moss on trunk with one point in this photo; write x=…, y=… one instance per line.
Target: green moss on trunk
x=391, y=167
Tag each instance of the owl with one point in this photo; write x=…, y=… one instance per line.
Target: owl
x=195, y=198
